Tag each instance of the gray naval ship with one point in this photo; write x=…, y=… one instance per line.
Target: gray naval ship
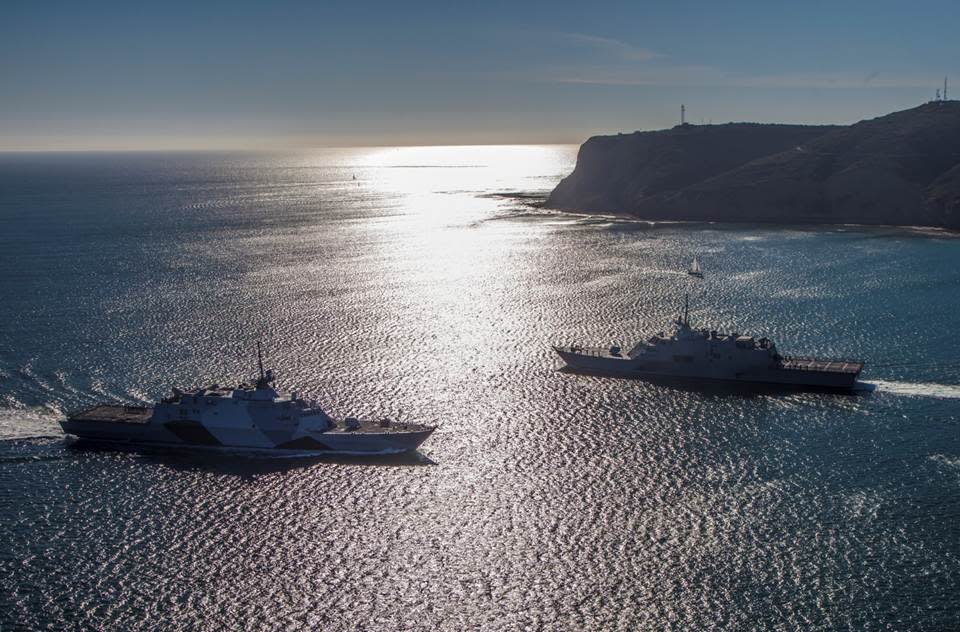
x=249, y=418
x=701, y=354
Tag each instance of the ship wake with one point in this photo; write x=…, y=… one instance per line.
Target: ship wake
x=917, y=389
x=37, y=422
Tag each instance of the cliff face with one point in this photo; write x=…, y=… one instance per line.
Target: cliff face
x=619, y=172
x=903, y=168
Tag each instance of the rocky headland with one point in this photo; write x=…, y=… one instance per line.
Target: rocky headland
x=898, y=169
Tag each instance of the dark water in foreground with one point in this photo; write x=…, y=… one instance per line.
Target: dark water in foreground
x=546, y=500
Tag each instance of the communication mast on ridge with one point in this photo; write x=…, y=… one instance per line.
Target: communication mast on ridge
x=944, y=88
x=683, y=114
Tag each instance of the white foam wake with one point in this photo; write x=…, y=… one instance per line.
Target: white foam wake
x=20, y=423
x=918, y=389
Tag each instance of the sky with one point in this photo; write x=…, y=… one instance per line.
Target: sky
x=265, y=75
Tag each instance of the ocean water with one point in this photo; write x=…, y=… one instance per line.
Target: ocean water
x=425, y=284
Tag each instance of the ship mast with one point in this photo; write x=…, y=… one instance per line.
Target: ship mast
x=686, y=310
x=260, y=361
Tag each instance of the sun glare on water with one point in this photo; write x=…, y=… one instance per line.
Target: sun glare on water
x=443, y=199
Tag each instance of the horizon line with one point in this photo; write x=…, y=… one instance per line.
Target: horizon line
x=144, y=150
x=294, y=147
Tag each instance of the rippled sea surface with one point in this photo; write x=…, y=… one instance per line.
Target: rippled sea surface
x=422, y=284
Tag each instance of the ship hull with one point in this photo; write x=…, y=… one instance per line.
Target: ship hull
x=194, y=436
x=625, y=367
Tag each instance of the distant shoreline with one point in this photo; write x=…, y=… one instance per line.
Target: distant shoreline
x=925, y=231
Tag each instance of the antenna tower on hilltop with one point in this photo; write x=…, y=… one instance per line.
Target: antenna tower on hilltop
x=683, y=114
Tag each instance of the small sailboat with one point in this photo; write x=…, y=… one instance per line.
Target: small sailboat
x=695, y=269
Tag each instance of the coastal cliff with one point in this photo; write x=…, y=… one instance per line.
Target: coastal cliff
x=900, y=169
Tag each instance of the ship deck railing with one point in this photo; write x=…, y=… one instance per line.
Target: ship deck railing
x=596, y=352
x=830, y=365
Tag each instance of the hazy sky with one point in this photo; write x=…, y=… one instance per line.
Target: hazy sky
x=92, y=74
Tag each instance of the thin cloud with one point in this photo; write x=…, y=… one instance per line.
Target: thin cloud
x=706, y=76
x=613, y=47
